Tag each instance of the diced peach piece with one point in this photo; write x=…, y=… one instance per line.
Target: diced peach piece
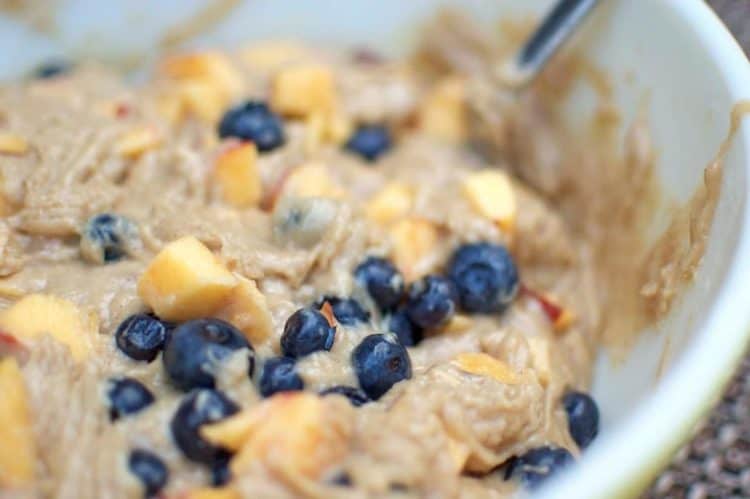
x=338, y=128
x=17, y=454
x=171, y=106
x=294, y=429
x=273, y=54
x=135, y=142
x=413, y=239
x=231, y=433
x=236, y=171
x=458, y=324
x=37, y=314
x=561, y=317
x=203, y=100
x=313, y=180
x=14, y=144
x=185, y=281
x=490, y=193
x=540, y=358
x=391, y=203
x=247, y=309
x=213, y=68
x=482, y=364
x=327, y=311
x=303, y=89
x=213, y=493
x=443, y=112
x=326, y=127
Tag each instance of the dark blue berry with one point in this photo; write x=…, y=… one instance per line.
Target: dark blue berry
x=383, y=282
x=583, y=417
x=347, y=311
x=200, y=407
x=279, y=375
x=150, y=470
x=408, y=333
x=107, y=238
x=306, y=331
x=536, y=465
x=220, y=472
x=253, y=121
x=342, y=479
x=127, y=396
x=356, y=396
x=369, y=141
x=141, y=336
x=380, y=362
x=195, y=350
x=485, y=277
x=431, y=302
x=52, y=69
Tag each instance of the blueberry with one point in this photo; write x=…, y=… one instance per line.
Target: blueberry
x=253, y=121
x=408, y=333
x=305, y=332
x=150, y=470
x=380, y=362
x=196, y=349
x=342, y=479
x=279, y=375
x=485, y=277
x=220, y=472
x=382, y=280
x=202, y=406
x=583, y=417
x=369, y=141
x=107, y=237
x=347, y=311
x=356, y=396
x=127, y=396
x=141, y=337
x=52, y=69
x=431, y=301
x=533, y=467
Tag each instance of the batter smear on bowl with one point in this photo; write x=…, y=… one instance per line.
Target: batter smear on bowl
x=287, y=272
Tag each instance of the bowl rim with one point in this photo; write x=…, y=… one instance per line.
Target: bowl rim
x=645, y=443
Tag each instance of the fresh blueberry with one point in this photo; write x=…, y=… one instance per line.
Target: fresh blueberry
x=583, y=417
x=107, y=237
x=382, y=280
x=369, y=141
x=356, y=396
x=536, y=465
x=150, y=470
x=408, y=333
x=220, y=472
x=485, y=277
x=306, y=331
x=279, y=375
x=141, y=337
x=196, y=349
x=342, y=479
x=431, y=301
x=127, y=396
x=202, y=406
x=380, y=362
x=253, y=121
x=347, y=311
x=52, y=69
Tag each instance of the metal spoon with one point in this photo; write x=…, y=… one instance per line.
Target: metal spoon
x=556, y=27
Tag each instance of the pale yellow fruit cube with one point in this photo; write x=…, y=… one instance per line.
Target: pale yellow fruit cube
x=13, y=144
x=490, y=193
x=135, y=142
x=171, y=106
x=17, y=452
x=482, y=364
x=213, y=493
x=210, y=67
x=443, y=113
x=391, y=203
x=413, y=240
x=458, y=324
x=303, y=89
x=185, y=281
x=539, y=348
x=236, y=171
x=38, y=314
x=232, y=433
x=326, y=128
x=203, y=100
x=247, y=309
x=313, y=180
x=270, y=55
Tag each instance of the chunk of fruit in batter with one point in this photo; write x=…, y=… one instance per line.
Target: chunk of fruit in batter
x=380, y=362
x=432, y=301
x=253, y=121
x=560, y=316
x=280, y=375
x=346, y=311
x=135, y=142
x=482, y=364
x=37, y=314
x=370, y=141
x=537, y=465
x=382, y=281
x=127, y=396
x=302, y=89
x=247, y=310
x=413, y=239
x=583, y=417
x=326, y=127
x=490, y=193
x=150, y=470
x=213, y=68
x=305, y=332
x=14, y=144
x=199, y=408
x=313, y=180
x=443, y=112
x=17, y=458
x=185, y=281
x=212, y=493
x=201, y=99
x=297, y=429
x=236, y=171
x=108, y=237
x=391, y=203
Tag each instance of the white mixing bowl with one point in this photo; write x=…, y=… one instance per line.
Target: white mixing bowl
x=675, y=51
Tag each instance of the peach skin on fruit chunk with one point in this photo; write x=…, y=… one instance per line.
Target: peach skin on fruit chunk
x=17, y=459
